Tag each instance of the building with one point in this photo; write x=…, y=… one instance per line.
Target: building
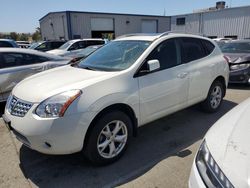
x=73, y=25
x=215, y=22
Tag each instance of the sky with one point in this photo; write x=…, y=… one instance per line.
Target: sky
x=23, y=15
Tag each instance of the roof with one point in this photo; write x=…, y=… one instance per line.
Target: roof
x=29, y=51
x=102, y=13
x=212, y=11
x=154, y=36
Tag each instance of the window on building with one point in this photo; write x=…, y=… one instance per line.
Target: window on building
x=231, y=36
x=180, y=21
x=212, y=37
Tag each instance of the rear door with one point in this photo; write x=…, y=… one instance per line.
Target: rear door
x=199, y=65
x=16, y=67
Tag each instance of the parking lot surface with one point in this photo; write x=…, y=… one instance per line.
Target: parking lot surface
x=160, y=156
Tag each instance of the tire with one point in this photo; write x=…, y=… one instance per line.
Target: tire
x=214, y=98
x=103, y=138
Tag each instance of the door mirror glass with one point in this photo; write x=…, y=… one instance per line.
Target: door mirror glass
x=153, y=65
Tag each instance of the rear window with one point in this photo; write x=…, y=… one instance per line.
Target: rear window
x=209, y=47
x=5, y=44
x=192, y=49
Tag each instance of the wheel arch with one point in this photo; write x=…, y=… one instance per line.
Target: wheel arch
x=223, y=81
x=114, y=107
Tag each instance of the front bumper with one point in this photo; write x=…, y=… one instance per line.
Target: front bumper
x=55, y=136
x=195, y=180
x=242, y=76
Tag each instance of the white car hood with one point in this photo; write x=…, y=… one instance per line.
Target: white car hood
x=57, y=52
x=229, y=143
x=48, y=83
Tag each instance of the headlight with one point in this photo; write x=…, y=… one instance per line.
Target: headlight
x=56, y=105
x=239, y=67
x=209, y=171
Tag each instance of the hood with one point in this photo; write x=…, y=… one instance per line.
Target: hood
x=48, y=83
x=235, y=58
x=229, y=143
x=56, y=52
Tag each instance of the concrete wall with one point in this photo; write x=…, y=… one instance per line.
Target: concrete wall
x=226, y=22
x=81, y=24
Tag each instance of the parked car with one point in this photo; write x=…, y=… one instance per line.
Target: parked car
x=223, y=158
x=8, y=43
x=45, y=46
x=96, y=105
x=74, y=46
x=17, y=64
x=83, y=53
x=23, y=44
x=238, y=54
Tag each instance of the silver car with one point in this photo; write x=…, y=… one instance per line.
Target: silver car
x=17, y=64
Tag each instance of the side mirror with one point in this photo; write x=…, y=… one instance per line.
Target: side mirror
x=153, y=65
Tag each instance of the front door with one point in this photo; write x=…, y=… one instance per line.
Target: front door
x=166, y=90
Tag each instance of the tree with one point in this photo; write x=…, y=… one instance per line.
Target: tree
x=24, y=37
x=37, y=35
x=14, y=36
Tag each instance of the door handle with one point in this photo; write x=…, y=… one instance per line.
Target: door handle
x=182, y=75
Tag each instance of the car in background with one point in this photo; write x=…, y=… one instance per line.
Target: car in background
x=74, y=46
x=224, y=155
x=96, y=105
x=8, y=43
x=17, y=64
x=23, y=44
x=238, y=55
x=45, y=46
x=81, y=54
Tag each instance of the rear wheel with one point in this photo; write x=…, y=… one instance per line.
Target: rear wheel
x=109, y=138
x=214, y=98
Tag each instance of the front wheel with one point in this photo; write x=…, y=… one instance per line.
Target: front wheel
x=214, y=98
x=109, y=138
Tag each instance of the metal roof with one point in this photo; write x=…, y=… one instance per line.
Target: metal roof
x=102, y=13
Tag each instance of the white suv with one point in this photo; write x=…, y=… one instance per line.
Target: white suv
x=96, y=105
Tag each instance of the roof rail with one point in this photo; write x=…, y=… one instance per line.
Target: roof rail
x=136, y=34
x=159, y=35
x=180, y=32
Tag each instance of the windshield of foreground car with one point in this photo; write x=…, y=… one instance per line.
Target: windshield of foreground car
x=66, y=45
x=115, y=56
x=234, y=47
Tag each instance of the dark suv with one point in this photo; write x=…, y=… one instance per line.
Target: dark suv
x=45, y=46
x=8, y=43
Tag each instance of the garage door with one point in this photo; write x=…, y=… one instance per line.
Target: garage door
x=102, y=24
x=149, y=26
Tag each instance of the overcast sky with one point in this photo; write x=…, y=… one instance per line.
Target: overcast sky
x=23, y=15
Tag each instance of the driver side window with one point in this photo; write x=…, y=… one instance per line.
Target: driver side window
x=166, y=53
x=74, y=46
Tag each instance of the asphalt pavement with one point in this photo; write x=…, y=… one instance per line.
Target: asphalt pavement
x=160, y=156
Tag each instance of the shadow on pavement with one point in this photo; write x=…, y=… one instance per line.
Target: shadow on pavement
x=155, y=142
x=2, y=106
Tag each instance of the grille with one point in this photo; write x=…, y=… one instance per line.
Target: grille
x=18, y=107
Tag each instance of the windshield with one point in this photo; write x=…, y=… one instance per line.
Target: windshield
x=234, y=47
x=115, y=56
x=34, y=45
x=66, y=45
x=86, y=51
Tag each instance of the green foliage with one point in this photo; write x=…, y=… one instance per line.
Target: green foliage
x=36, y=36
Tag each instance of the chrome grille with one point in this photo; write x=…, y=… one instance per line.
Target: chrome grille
x=18, y=107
